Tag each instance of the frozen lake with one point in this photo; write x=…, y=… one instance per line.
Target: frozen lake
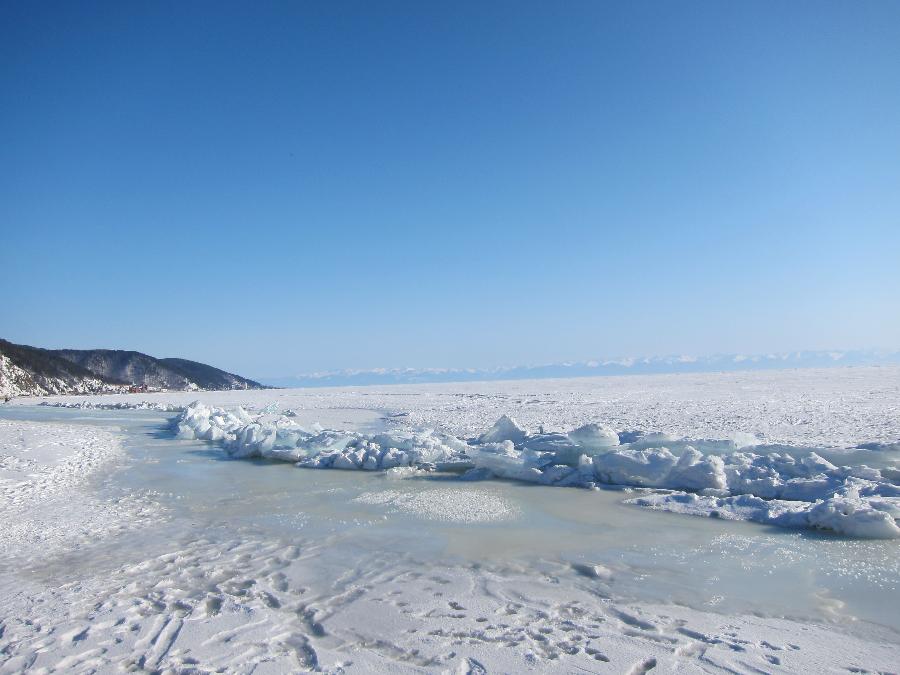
x=254, y=564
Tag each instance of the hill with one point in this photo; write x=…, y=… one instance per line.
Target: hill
x=32, y=371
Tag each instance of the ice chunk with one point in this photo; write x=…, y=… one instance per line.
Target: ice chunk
x=593, y=571
x=816, y=465
x=551, y=442
x=504, y=460
x=635, y=467
x=695, y=471
x=808, y=489
x=855, y=517
x=658, y=467
x=559, y=446
x=851, y=516
x=504, y=429
x=639, y=438
x=594, y=437
x=743, y=440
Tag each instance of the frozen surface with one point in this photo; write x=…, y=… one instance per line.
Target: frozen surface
x=435, y=565
x=732, y=477
x=447, y=504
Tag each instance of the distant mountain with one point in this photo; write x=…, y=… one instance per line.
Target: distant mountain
x=624, y=366
x=31, y=371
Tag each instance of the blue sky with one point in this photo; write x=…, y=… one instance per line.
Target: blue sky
x=279, y=188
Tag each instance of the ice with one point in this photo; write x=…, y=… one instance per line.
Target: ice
x=444, y=504
x=505, y=461
x=280, y=437
x=594, y=437
x=658, y=467
x=695, y=471
x=504, y=429
x=791, y=488
x=593, y=571
x=850, y=516
x=649, y=467
x=856, y=517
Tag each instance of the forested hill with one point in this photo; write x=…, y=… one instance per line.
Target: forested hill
x=32, y=371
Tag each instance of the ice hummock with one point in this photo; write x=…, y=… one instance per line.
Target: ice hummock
x=243, y=435
x=847, y=513
x=727, y=478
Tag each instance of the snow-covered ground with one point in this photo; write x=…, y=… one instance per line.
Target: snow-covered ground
x=46, y=497
x=125, y=548
x=242, y=606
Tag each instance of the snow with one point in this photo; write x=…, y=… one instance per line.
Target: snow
x=446, y=504
x=17, y=381
x=45, y=496
x=856, y=517
x=836, y=407
x=121, y=405
x=258, y=608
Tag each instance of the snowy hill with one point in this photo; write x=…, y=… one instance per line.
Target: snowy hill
x=31, y=371
x=28, y=371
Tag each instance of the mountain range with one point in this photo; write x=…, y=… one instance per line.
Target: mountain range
x=32, y=371
x=624, y=366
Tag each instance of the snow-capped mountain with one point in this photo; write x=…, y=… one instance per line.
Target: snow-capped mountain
x=621, y=366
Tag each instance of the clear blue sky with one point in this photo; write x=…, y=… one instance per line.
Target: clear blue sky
x=282, y=187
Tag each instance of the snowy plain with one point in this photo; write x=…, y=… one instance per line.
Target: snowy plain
x=838, y=407
x=197, y=564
